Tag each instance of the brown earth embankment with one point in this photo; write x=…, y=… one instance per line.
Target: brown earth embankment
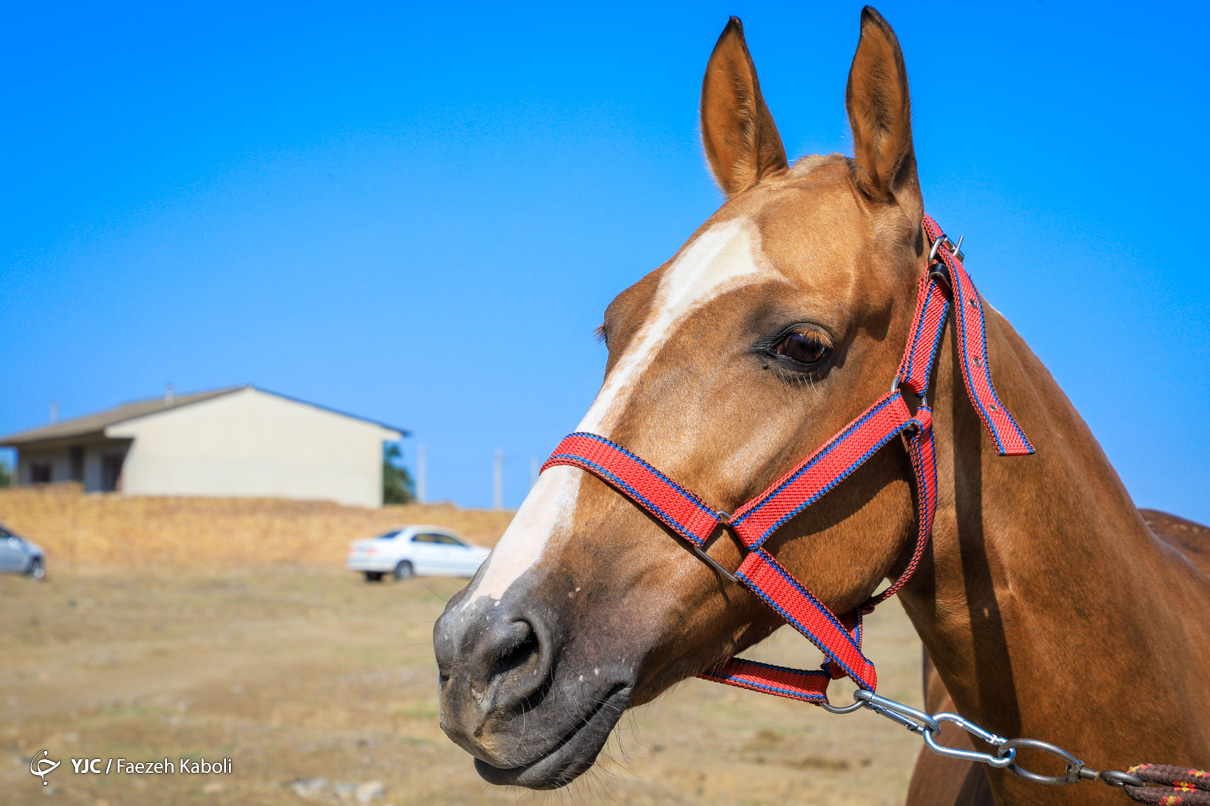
x=213, y=533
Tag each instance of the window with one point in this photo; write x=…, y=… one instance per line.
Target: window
x=444, y=540
x=39, y=473
x=77, y=462
x=111, y=473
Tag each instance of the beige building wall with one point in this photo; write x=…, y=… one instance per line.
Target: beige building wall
x=253, y=444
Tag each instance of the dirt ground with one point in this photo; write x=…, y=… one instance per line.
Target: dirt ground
x=321, y=688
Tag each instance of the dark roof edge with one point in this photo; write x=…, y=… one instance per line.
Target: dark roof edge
x=403, y=431
x=30, y=435
x=23, y=437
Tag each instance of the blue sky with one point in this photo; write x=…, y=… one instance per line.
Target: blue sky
x=419, y=213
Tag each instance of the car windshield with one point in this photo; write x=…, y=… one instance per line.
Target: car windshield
x=432, y=537
x=389, y=535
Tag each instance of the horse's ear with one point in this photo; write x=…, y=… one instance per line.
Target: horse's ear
x=880, y=113
x=742, y=143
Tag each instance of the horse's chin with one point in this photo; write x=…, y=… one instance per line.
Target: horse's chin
x=573, y=754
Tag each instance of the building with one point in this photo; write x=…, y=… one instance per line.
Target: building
x=242, y=441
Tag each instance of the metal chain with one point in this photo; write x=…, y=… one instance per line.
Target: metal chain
x=929, y=727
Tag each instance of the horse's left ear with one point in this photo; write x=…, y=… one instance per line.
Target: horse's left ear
x=741, y=140
x=880, y=113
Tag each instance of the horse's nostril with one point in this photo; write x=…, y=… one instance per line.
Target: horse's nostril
x=514, y=666
x=525, y=652
x=518, y=656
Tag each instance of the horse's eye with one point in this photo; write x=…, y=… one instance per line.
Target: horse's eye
x=803, y=348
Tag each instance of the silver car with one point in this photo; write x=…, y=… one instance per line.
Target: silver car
x=21, y=556
x=415, y=550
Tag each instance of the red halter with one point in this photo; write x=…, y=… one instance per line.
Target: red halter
x=839, y=638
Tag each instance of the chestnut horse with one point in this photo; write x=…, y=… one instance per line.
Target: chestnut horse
x=1048, y=607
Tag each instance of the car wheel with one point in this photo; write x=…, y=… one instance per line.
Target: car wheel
x=373, y=576
x=36, y=570
x=404, y=570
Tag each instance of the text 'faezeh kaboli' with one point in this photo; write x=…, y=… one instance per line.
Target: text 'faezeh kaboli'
x=122, y=766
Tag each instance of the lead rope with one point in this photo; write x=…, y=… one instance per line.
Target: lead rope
x=1176, y=786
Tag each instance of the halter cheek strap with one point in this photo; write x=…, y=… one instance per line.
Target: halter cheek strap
x=945, y=285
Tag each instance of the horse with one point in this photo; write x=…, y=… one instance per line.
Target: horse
x=1046, y=605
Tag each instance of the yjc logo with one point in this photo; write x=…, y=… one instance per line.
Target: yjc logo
x=42, y=766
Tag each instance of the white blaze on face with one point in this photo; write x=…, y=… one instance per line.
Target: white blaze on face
x=722, y=259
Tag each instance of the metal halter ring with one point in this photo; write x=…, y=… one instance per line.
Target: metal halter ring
x=723, y=525
x=898, y=384
x=1070, y=776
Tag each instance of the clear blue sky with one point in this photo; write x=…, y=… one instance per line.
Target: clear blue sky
x=419, y=213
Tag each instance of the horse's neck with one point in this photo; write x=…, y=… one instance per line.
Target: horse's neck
x=1049, y=608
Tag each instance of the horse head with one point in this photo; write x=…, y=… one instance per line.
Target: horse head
x=781, y=318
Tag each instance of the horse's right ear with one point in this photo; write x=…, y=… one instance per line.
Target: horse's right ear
x=741, y=140
x=880, y=113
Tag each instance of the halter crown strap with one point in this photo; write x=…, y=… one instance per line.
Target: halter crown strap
x=976, y=374
x=686, y=515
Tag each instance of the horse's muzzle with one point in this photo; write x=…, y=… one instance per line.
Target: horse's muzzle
x=511, y=697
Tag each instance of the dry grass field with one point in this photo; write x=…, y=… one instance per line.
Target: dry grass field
x=321, y=688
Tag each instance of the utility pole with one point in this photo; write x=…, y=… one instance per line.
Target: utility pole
x=420, y=458
x=498, y=481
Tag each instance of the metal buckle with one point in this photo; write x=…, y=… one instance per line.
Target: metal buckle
x=723, y=525
x=955, y=249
